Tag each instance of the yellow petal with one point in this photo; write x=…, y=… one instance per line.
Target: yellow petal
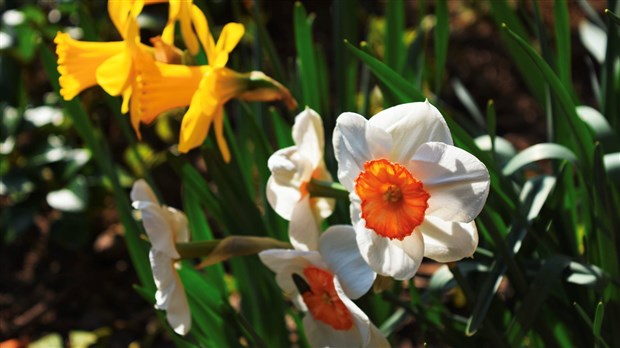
x=185, y=19
x=202, y=30
x=114, y=74
x=78, y=61
x=194, y=127
x=126, y=98
x=229, y=38
x=120, y=11
x=173, y=13
x=135, y=121
x=218, y=120
x=166, y=87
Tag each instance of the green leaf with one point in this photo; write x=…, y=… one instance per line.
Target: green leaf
x=73, y=198
x=266, y=43
x=491, y=124
x=306, y=56
x=549, y=276
x=211, y=314
x=612, y=16
x=345, y=66
x=599, y=126
x=562, y=38
x=585, y=274
x=197, y=184
x=577, y=138
x=612, y=165
x=533, y=196
x=596, y=326
x=598, y=319
x=504, y=150
x=536, y=153
x=394, y=35
x=594, y=39
x=442, y=32
x=282, y=130
x=82, y=339
x=468, y=102
x=399, y=86
x=396, y=320
x=94, y=140
x=502, y=13
x=610, y=78
x=53, y=340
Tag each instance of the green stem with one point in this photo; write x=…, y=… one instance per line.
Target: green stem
x=219, y=250
x=193, y=250
x=318, y=188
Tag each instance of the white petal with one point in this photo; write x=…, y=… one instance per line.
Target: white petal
x=446, y=241
x=412, y=245
x=288, y=171
x=285, y=262
x=170, y=295
x=385, y=256
x=376, y=339
x=355, y=142
x=308, y=136
x=410, y=126
x=141, y=191
x=282, y=198
x=178, y=223
x=304, y=229
x=324, y=207
x=360, y=319
x=341, y=254
x=323, y=335
x=178, y=313
x=457, y=182
x=157, y=227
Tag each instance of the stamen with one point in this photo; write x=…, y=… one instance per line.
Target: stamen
x=393, y=201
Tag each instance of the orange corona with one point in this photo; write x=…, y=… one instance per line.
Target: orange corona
x=393, y=200
x=323, y=301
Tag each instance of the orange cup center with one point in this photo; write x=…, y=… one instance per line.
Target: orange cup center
x=393, y=200
x=322, y=300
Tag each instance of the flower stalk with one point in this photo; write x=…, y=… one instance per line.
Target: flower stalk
x=215, y=251
x=319, y=188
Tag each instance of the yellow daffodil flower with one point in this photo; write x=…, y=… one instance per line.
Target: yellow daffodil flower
x=187, y=14
x=78, y=61
x=205, y=89
x=112, y=65
x=84, y=64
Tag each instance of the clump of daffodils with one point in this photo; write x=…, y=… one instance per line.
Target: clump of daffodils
x=152, y=80
x=412, y=193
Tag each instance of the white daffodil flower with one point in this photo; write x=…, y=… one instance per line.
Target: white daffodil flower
x=413, y=194
x=322, y=284
x=292, y=168
x=164, y=226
